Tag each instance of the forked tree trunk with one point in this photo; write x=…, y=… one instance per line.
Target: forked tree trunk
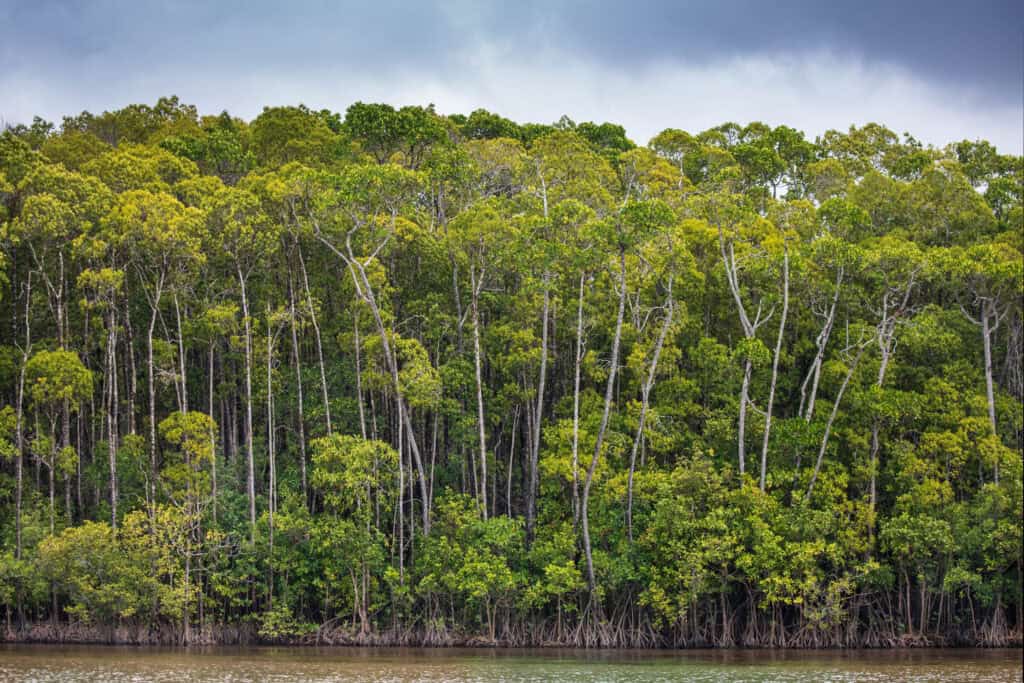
x=775, y=366
x=645, y=394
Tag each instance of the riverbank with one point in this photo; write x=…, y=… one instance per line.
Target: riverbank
x=247, y=634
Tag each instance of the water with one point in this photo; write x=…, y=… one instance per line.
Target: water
x=76, y=664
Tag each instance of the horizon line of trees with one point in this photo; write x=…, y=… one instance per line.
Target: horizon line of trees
x=393, y=376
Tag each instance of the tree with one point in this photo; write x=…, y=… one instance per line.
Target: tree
x=186, y=481
x=162, y=239
x=353, y=475
x=57, y=383
x=990, y=276
x=242, y=231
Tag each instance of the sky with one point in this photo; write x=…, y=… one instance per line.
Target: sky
x=941, y=70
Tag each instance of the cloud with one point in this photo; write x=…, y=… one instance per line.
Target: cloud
x=941, y=71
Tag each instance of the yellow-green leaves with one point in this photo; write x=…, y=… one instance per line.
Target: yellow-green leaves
x=56, y=377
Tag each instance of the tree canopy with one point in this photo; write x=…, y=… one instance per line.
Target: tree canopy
x=393, y=376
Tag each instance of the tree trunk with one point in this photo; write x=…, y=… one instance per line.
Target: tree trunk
x=271, y=456
x=213, y=439
x=357, y=347
x=831, y=419
x=300, y=418
x=479, y=387
x=609, y=391
x=989, y=313
x=319, y=341
x=775, y=366
x=645, y=394
x=132, y=371
x=19, y=421
x=111, y=413
x=742, y=422
x=249, y=454
x=814, y=374
x=576, y=408
x=181, y=357
x=365, y=292
x=531, y=502
x=151, y=389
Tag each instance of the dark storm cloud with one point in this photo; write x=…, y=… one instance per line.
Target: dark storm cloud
x=956, y=66
x=976, y=45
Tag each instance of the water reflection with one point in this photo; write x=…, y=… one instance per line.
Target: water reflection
x=74, y=664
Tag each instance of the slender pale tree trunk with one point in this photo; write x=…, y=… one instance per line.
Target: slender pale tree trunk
x=249, y=451
x=151, y=389
x=357, y=347
x=988, y=322
x=986, y=336
x=213, y=436
x=775, y=366
x=301, y=418
x=742, y=422
x=891, y=312
x=645, y=394
x=133, y=390
x=608, y=394
x=531, y=508
x=479, y=387
x=366, y=292
x=271, y=448
x=19, y=421
x=181, y=356
x=831, y=420
x=750, y=331
x=319, y=341
x=576, y=407
x=814, y=374
x=112, y=413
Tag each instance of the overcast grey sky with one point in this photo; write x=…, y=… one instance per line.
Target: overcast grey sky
x=941, y=70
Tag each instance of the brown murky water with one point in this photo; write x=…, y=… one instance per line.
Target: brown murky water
x=75, y=664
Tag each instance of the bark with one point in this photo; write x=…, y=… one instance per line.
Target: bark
x=19, y=420
x=475, y=302
x=775, y=366
x=301, y=418
x=359, y=374
x=271, y=447
x=151, y=389
x=645, y=394
x=886, y=338
x=249, y=454
x=988, y=321
x=365, y=291
x=576, y=408
x=111, y=414
x=814, y=374
x=132, y=371
x=742, y=422
x=609, y=391
x=831, y=420
x=531, y=501
x=181, y=357
x=319, y=341
x=749, y=331
x=213, y=437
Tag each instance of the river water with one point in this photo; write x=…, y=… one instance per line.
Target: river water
x=75, y=664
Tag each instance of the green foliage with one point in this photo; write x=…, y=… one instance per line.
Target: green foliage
x=310, y=289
